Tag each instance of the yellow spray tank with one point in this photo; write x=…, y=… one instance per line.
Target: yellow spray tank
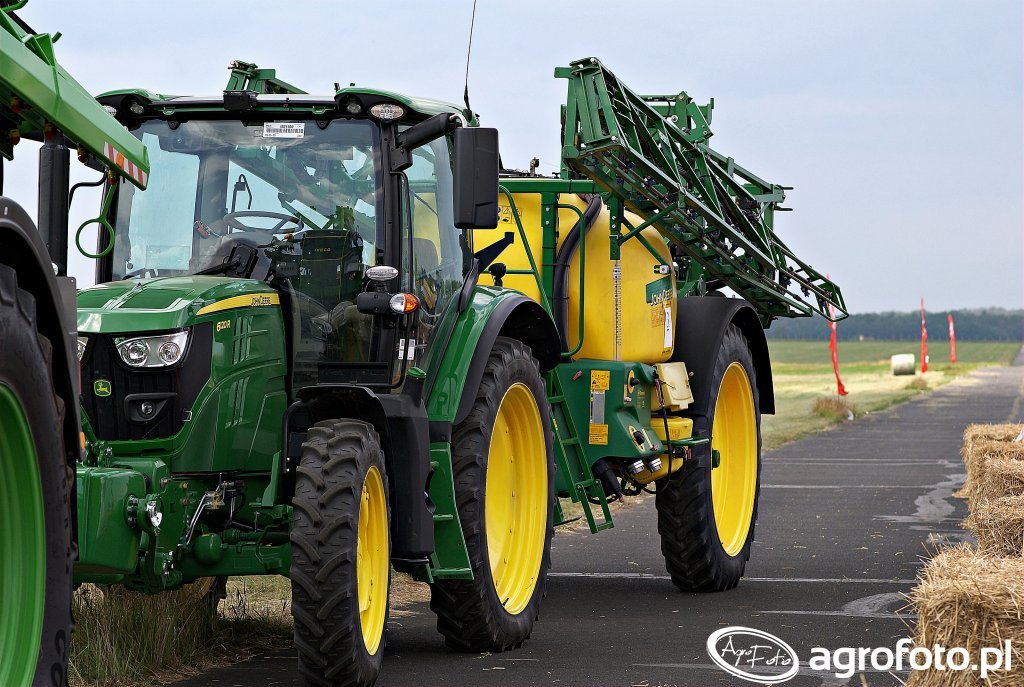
x=629, y=304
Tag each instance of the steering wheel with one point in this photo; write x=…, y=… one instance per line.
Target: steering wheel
x=232, y=219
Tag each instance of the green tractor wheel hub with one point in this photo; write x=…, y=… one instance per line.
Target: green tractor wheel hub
x=22, y=545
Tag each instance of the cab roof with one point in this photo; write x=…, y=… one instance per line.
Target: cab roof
x=417, y=108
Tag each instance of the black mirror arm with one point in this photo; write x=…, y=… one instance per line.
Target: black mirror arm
x=489, y=254
x=420, y=134
x=428, y=130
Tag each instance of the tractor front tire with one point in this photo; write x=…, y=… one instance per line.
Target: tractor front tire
x=35, y=501
x=504, y=489
x=341, y=555
x=706, y=513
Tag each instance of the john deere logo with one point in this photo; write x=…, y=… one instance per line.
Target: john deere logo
x=262, y=300
x=101, y=387
x=659, y=291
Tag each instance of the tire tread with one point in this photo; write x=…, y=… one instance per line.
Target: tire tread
x=328, y=488
x=693, y=557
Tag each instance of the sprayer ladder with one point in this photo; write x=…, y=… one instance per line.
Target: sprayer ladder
x=571, y=461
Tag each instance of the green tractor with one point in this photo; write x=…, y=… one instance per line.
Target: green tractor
x=310, y=354
x=40, y=435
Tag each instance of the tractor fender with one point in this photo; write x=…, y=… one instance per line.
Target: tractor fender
x=332, y=401
x=22, y=248
x=491, y=313
x=401, y=422
x=701, y=322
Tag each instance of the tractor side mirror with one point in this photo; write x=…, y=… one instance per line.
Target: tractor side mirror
x=476, y=178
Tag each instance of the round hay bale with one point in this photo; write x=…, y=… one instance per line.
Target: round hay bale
x=970, y=600
x=999, y=525
x=903, y=364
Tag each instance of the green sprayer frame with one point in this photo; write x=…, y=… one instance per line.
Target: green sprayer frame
x=37, y=96
x=650, y=153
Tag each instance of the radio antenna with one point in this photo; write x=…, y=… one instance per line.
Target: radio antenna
x=469, y=51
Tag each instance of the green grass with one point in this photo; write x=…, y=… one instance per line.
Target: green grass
x=129, y=639
x=802, y=372
x=855, y=352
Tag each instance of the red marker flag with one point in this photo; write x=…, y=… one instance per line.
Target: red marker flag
x=833, y=346
x=952, y=340
x=924, y=341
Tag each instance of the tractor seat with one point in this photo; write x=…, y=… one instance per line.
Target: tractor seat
x=220, y=249
x=425, y=272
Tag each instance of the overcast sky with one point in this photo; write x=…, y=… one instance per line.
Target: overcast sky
x=898, y=122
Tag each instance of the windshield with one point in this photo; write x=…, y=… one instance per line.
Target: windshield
x=217, y=184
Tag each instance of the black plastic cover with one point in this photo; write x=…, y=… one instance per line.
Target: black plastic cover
x=476, y=178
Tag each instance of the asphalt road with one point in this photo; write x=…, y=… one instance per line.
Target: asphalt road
x=845, y=519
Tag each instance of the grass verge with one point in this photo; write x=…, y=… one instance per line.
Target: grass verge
x=805, y=386
x=128, y=639
x=835, y=409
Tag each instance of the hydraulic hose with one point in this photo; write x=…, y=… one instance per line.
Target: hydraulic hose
x=562, y=260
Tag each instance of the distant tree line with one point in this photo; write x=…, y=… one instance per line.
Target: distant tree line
x=988, y=324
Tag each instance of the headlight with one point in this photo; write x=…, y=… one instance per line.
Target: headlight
x=151, y=351
x=83, y=341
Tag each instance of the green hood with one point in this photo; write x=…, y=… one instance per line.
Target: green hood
x=160, y=304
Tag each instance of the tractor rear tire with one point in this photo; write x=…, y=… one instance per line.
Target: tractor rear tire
x=706, y=514
x=502, y=457
x=341, y=555
x=35, y=501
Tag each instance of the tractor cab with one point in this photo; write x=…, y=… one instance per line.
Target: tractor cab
x=307, y=195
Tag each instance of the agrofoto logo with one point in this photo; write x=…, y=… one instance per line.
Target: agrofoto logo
x=753, y=655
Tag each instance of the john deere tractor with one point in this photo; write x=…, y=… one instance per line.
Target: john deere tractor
x=40, y=438
x=333, y=339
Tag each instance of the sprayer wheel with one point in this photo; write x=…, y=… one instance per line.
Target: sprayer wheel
x=706, y=514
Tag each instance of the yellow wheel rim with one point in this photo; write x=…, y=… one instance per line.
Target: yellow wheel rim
x=372, y=565
x=734, y=481
x=515, y=498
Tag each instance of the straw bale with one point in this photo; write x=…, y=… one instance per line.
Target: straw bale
x=1003, y=476
x=999, y=525
x=982, y=442
x=971, y=600
x=993, y=432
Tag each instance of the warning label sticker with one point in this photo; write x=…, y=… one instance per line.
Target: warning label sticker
x=284, y=130
x=599, y=435
x=669, y=341
x=597, y=407
x=600, y=380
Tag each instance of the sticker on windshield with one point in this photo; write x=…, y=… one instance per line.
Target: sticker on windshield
x=284, y=130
